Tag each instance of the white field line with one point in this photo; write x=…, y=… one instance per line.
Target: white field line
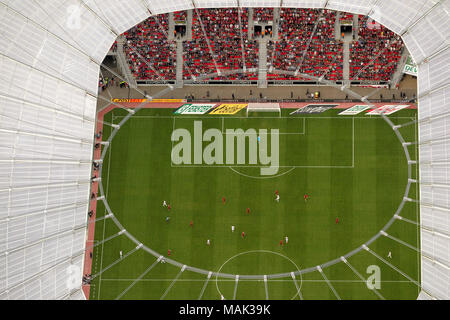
x=135, y=281
x=231, y=117
x=173, y=129
x=256, y=166
x=280, y=133
x=393, y=267
x=417, y=206
x=353, y=142
x=95, y=266
x=287, y=166
x=266, y=289
x=254, y=280
x=263, y=177
x=362, y=279
x=223, y=124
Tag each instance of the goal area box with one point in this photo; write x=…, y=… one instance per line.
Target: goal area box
x=264, y=107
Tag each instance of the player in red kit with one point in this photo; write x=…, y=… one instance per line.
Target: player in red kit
x=337, y=220
x=192, y=223
x=223, y=200
x=281, y=242
x=276, y=192
x=248, y=210
x=243, y=234
x=169, y=252
x=306, y=197
x=168, y=207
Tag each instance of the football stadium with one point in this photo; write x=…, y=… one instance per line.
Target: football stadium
x=225, y=150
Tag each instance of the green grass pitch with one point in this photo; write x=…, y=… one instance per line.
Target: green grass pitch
x=352, y=167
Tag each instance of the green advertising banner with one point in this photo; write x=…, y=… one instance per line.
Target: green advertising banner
x=195, y=108
x=355, y=110
x=410, y=67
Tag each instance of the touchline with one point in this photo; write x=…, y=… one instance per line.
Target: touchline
x=189, y=150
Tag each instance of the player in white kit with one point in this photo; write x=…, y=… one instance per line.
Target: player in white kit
x=286, y=240
x=232, y=228
x=164, y=203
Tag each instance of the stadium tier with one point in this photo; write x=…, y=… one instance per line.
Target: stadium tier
x=150, y=54
x=378, y=44
x=221, y=27
x=53, y=154
x=298, y=33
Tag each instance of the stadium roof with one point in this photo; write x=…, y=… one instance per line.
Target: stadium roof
x=50, y=57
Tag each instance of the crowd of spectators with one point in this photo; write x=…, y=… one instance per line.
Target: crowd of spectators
x=222, y=29
x=323, y=56
x=180, y=16
x=104, y=83
x=375, y=43
x=149, y=40
x=345, y=17
x=306, y=44
x=263, y=15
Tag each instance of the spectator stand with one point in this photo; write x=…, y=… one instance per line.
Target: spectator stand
x=377, y=52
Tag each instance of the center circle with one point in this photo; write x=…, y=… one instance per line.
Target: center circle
x=262, y=251
x=285, y=171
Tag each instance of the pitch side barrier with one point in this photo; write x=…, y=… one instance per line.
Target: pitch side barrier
x=255, y=82
x=222, y=100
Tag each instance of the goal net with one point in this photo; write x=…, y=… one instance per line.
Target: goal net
x=264, y=107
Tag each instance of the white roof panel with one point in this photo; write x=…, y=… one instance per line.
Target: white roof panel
x=50, y=52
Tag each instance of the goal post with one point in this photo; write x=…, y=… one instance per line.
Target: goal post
x=264, y=107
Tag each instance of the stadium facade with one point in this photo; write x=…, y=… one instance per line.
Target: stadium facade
x=50, y=57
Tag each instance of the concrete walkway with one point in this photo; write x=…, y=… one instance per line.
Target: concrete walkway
x=262, y=63
x=171, y=26
x=251, y=93
x=190, y=15
x=346, y=57
x=250, y=23
x=356, y=26
x=122, y=63
x=337, y=27
x=180, y=64
x=276, y=24
x=398, y=74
